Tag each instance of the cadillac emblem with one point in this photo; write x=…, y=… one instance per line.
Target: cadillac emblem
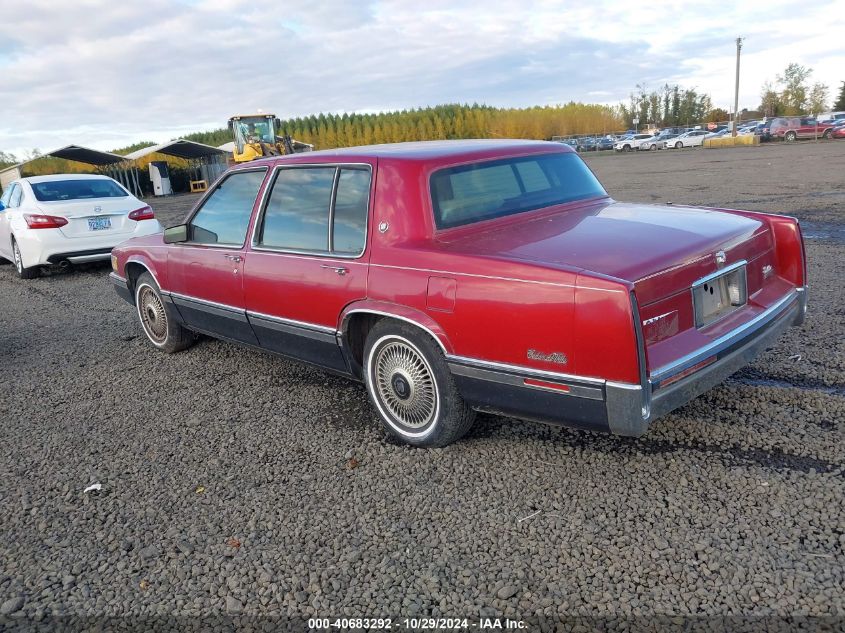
x=721, y=258
x=555, y=357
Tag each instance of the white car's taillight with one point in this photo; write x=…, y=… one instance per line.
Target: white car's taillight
x=36, y=221
x=144, y=213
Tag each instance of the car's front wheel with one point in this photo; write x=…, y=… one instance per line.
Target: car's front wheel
x=679, y=145
x=23, y=271
x=157, y=318
x=789, y=137
x=412, y=388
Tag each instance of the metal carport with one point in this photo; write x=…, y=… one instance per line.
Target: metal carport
x=107, y=163
x=205, y=161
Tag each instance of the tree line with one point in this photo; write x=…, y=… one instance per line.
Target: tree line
x=670, y=106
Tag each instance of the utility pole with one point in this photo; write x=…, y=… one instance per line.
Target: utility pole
x=736, y=89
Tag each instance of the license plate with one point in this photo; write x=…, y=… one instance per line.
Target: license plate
x=717, y=295
x=99, y=224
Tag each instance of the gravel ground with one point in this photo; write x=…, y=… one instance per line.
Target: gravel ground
x=238, y=483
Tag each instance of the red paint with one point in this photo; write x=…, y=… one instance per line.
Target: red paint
x=558, y=280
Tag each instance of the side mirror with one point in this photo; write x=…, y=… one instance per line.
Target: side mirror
x=176, y=234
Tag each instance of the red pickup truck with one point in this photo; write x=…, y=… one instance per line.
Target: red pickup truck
x=458, y=276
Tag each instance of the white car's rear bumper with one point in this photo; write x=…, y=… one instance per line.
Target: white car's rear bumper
x=42, y=247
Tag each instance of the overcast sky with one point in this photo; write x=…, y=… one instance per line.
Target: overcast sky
x=107, y=74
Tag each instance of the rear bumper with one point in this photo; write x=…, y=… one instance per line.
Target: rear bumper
x=41, y=247
x=622, y=408
x=631, y=408
x=80, y=257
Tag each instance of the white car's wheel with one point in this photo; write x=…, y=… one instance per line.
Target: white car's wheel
x=412, y=388
x=23, y=272
x=679, y=145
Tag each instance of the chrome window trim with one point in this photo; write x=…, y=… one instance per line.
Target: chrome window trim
x=215, y=186
x=521, y=369
x=338, y=166
x=726, y=340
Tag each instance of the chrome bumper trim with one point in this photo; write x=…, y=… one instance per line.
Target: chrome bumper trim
x=737, y=349
x=81, y=259
x=724, y=342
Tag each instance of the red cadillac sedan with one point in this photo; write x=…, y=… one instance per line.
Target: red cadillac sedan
x=459, y=276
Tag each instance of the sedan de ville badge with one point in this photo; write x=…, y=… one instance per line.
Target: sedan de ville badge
x=555, y=357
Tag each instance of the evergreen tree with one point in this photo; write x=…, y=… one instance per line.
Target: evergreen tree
x=839, y=104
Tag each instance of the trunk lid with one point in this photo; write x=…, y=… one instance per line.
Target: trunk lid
x=93, y=216
x=661, y=249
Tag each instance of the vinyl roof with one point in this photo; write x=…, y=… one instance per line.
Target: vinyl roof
x=180, y=148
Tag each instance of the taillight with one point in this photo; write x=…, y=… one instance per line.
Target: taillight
x=144, y=213
x=36, y=221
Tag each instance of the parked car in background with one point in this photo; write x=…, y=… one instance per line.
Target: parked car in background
x=693, y=138
x=68, y=219
x=455, y=276
x=793, y=128
x=838, y=132
x=635, y=142
x=605, y=143
x=831, y=116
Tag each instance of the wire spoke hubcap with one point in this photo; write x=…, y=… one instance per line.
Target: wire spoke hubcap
x=405, y=385
x=153, y=316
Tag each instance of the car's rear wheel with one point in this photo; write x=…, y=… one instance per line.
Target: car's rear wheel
x=653, y=147
x=23, y=272
x=157, y=318
x=679, y=145
x=412, y=388
x=789, y=137
x=826, y=134
x=626, y=148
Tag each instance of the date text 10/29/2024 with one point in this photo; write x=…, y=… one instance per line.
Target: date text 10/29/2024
x=415, y=624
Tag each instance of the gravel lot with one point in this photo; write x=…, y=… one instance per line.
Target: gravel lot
x=236, y=482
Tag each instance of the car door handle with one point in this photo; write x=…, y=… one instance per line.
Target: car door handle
x=233, y=258
x=340, y=270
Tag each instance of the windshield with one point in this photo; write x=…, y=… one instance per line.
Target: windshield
x=253, y=129
x=483, y=191
x=57, y=190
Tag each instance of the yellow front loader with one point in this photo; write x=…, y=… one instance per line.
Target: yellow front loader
x=256, y=136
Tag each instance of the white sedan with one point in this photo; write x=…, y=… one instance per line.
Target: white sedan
x=637, y=141
x=688, y=139
x=68, y=219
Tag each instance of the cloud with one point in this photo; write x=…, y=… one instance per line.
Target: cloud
x=108, y=74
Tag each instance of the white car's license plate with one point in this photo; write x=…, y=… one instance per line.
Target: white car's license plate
x=99, y=224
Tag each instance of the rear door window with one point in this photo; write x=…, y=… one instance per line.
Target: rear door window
x=319, y=210
x=224, y=216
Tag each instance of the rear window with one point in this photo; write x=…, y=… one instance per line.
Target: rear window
x=57, y=190
x=483, y=191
